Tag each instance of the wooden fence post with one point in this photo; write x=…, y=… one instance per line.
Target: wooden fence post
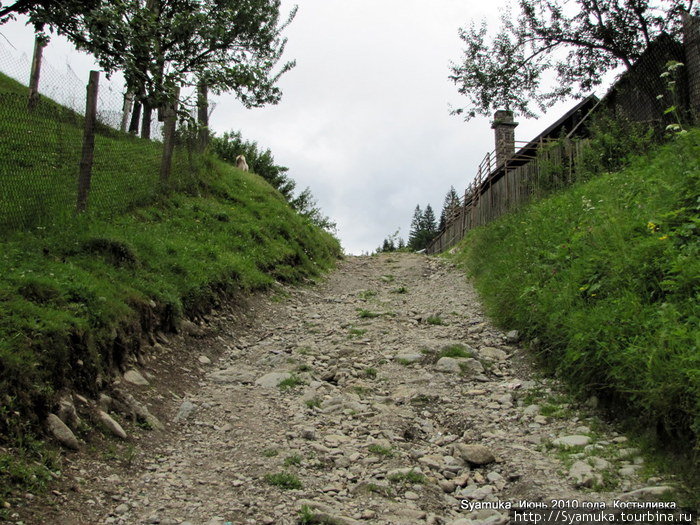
x=170, y=117
x=202, y=115
x=88, y=141
x=39, y=45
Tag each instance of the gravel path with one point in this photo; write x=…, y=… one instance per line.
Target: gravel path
x=382, y=395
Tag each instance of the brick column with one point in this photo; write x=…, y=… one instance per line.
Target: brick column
x=504, y=130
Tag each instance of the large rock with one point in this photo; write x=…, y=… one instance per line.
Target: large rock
x=134, y=377
x=448, y=364
x=61, y=432
x=646, y=493
x=582, y=474
x=67, y=412
x=111, y=425
x=576, y=440
x=187, y=408
x=492, y=354
x=273, y=379
x=473, y=454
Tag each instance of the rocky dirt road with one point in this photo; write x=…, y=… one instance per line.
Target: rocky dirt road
x=382, y=395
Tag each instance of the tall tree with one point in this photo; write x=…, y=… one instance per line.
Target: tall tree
x=450, y=203
x=231, y=45
x=578, y=41
x=429, y=223
x=415, y=233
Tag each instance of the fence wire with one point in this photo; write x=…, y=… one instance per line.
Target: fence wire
x=40, y=150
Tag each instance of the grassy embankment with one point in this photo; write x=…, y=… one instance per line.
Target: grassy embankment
x=604, y=279
x=76, y=297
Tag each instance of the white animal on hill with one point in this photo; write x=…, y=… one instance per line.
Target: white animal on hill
x=241, y=164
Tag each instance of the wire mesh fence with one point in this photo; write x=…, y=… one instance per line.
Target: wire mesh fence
x=40, y=149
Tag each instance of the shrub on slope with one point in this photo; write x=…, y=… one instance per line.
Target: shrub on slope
x=606, y=275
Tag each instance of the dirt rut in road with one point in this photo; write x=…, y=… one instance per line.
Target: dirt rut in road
x=382, y=395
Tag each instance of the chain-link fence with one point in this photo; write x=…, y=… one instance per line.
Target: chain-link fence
x=41, y=149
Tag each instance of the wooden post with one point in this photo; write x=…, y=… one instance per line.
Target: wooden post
x=202, y=115
x=88, y=141
x=170, y=114
x=36, y=71
x=126, y=110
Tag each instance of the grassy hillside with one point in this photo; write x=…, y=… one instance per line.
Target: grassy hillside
x=604, y=279
x=39, y=157
x=78, y=296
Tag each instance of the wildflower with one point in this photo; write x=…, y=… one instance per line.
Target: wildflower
x=652, y=226
x=663, y=237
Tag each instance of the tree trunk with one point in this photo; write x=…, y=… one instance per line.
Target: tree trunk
x=135, y=118
x=146, y=120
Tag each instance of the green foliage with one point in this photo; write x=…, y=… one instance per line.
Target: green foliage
x=578, y=42
x=283, y=480
x=233, y=45
x=76, y=296
x=270, y=452
x=411, y=476
x=423, y=228
x=456, y=350
x=231, y=144
x=291, y=382
x=449, y=205
x=606, y=276
x=371, y=372
x=435, y=320
x=367, y=314
x=380, y=450
x=292, y=460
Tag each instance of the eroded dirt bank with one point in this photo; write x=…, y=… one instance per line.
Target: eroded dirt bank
x=382, y=395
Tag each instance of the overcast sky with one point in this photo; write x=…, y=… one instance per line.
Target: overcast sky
x=364, y=119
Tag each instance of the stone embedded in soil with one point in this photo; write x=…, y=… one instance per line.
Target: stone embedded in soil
x=135, y=377
x=186, y=409
x=61, y=432
x=448, y=364
x=492, y=354
x=583, y=475
x=474, y=454
x=576, y=440
x=111, y=425
x=273, y=379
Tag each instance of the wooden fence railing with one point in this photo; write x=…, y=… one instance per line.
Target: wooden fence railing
x=535, y=170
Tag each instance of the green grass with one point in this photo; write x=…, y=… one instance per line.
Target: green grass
x=435, y=320
x=607, y=276
x=283, y=480
x=291, y=382
x=292, y=459
x=456, y=350
x=270, y=452
x=357, y=332
x=379, y=450
x=78, y=293
x=367, y=314
x=411, y=476
x=371, y=372
x=313, y=403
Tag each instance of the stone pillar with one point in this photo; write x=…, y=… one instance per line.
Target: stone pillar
x=505, y=135
x=691, y=43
